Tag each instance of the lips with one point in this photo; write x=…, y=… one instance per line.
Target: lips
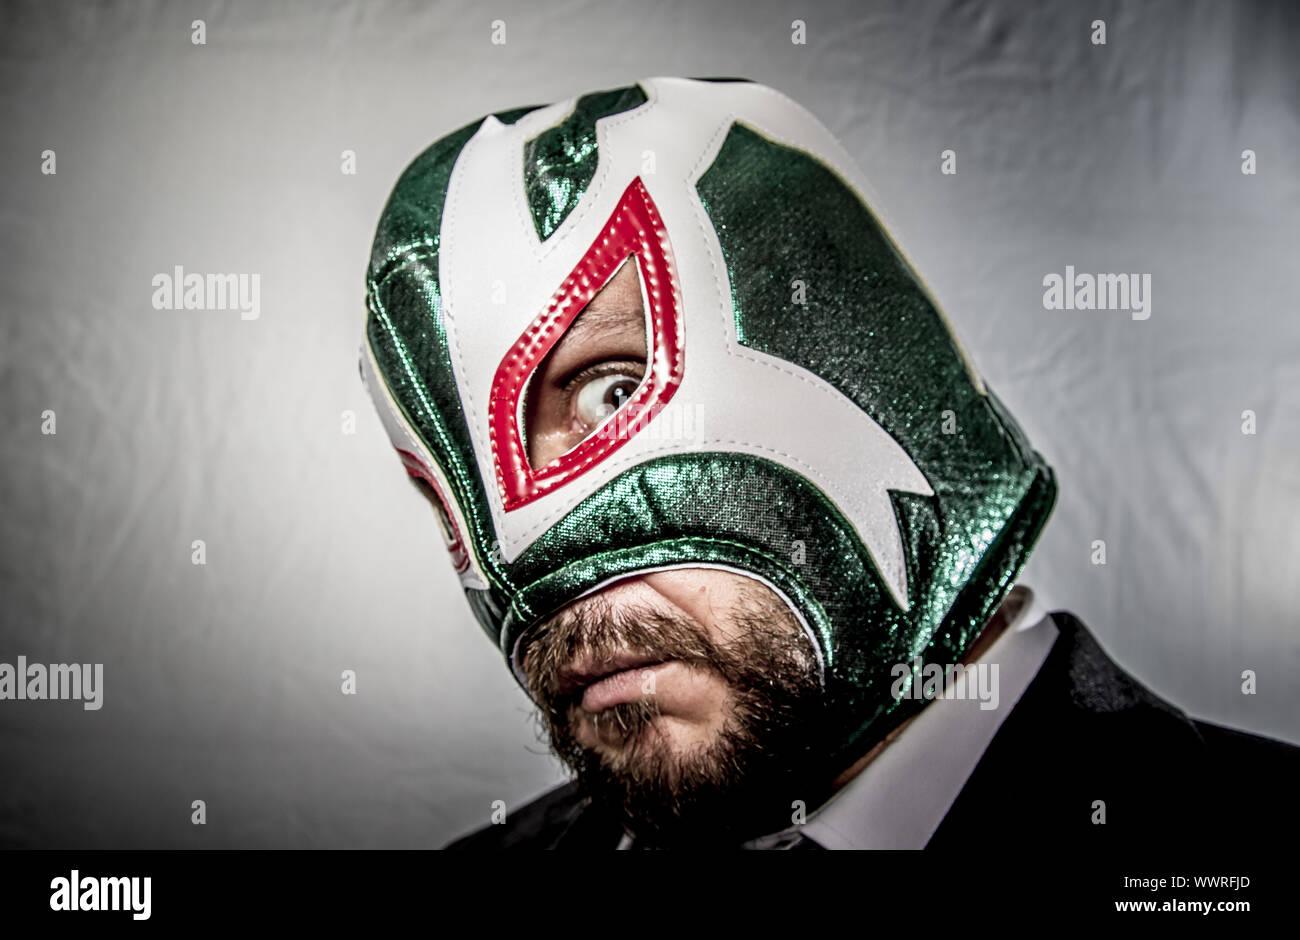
x=605, y=683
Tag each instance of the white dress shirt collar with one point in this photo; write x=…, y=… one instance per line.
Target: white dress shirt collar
x=901, y=797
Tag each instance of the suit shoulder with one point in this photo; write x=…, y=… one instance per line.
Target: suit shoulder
x=1097, y=684
x=1257, y=769
x=1235, y=744
x=1100, y=686
x=1092, y=758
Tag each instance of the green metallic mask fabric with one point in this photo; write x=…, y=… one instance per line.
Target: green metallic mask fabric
x=560, y=162
x=867, y=327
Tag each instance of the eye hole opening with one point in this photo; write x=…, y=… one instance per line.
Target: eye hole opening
x=590, y=374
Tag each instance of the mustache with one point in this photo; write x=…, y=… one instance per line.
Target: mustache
x=762, y=631
x=595, y=628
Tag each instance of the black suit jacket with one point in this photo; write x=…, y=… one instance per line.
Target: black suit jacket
x=1084, y=731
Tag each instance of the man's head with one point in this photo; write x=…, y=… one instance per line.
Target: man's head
x=687, y=411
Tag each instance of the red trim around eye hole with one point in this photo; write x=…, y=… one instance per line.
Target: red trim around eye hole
x=634, y=228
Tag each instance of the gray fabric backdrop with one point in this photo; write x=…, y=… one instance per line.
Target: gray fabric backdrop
x=222, y=681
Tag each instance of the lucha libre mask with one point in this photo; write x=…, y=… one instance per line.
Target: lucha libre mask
x=806, y=417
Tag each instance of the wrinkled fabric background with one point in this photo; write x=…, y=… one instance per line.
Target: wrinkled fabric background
x=222, y=682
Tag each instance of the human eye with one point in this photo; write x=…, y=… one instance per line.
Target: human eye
x=596, y=392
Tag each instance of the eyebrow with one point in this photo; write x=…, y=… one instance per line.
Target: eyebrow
x=596, y=319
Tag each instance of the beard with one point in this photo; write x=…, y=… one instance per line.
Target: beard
x=769, y=752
